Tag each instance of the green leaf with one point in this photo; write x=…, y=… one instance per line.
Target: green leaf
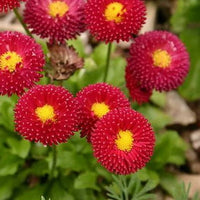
x=42, y=198
x=159, y=98
x=78, y=45
x=86, y=180
x=19, y=147
x=100, y=54
x=168, y=182
x=190, y=89
x=87, y=194
x=7, y=184
x=124, y=187
x=39, y=151
x=93, y=70
x=186, y=21
x=57, y=192
x=170, y=148
x=146, y=174
x=7, y=115
x=71, y=161
x=40, y=168
x=116, y=72
x=9, y=164
x=30, y=193
x=156, y=116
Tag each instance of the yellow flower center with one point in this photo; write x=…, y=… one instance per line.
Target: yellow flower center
x=45, y=113
x=58, y=8
x=9, y=61
x=114, y=12
x=161, y=58
x=124, y=140
x=100, y=109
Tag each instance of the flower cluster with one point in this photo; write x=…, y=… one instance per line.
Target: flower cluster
x=158, y=60
x=96, y=101
x=122, y=139
x=9, y=4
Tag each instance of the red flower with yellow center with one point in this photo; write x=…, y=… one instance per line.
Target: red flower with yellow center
x=46, y=114
x=159, y=60
x=123, y=141
x=95, y=101
x=55, y=19
x=114, y=20
x=137, y=93
x=21, y=60
x=5, y=5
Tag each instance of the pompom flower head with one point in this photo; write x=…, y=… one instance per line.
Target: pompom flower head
x=21, y=58
x=95, y=101
x=123, y=141
x=137, y=93
x=55, y=19
x=46, y=114
x=110, y=20
x=9, y=4
x=159, y=60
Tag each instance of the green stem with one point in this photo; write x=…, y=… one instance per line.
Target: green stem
x=22, y=22
x=51, y=175
x=53, y=163
x=107, y=61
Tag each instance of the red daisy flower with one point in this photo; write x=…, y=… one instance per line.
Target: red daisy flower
x=137, y=93
x=110, y=20
x=159, y=60
x=55, y=19
x=9, y=4
x=21, y=58
x=123, y=141
x=95, y=101
x=46, y=114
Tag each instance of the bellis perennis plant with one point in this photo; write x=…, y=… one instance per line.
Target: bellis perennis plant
x=51, y=112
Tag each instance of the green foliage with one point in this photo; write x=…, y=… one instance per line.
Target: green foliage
x=182, y=193
x=6, y=114
x=42, y=198
x=157, y=117
x=86, y=180
x=159, y=98
x=130, y=188
x=186, y=22
x=20, y=148
x=94, y=68
x=169, y=146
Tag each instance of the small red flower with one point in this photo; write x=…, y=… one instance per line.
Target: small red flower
x=137, y=93
x=5, y=5
x=110, y=20
x=159, y=60
x=21, y=58
x=55, y=19
x=95, y=101
x=123, y=141
x=46, y=114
